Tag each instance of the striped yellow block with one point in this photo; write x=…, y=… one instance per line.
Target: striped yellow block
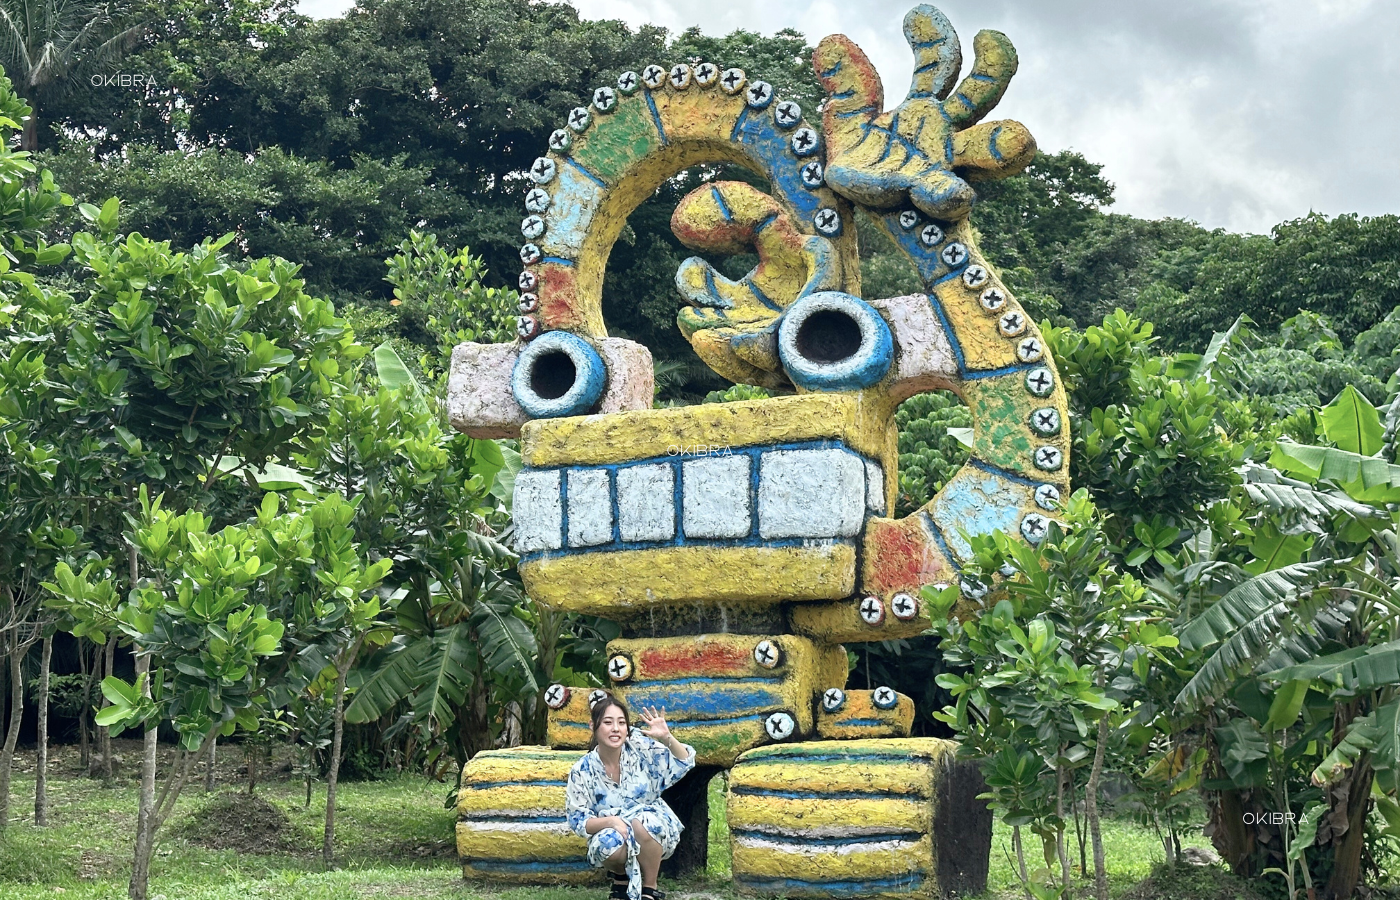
x=568, y=727
x=864, y=818
x=511, y=824
x=718, y=697
x=859, y=717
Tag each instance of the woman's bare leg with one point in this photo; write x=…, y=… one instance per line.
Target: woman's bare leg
x=617, y=863
x=649, y=855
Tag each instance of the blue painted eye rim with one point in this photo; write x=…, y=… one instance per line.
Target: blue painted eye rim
x=590, y=376
x=867, y=366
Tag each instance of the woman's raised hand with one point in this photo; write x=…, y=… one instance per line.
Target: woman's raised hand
x=655, y=721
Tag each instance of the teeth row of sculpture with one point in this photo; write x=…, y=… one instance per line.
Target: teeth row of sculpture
x=740, y=545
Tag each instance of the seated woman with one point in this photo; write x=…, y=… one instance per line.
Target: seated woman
x=614, y=797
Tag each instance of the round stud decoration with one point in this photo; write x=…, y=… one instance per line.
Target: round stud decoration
x=653, y=77
x=872, y=611
x=992, y=300
x=953, y=255
x=884, y=698
x=532, y=227
x=766, y=654
x=931, y=235
x=1007, y=570
x=732, y=81
x=904, y=606
x=1048, y=459
x=780, y=726
x=594, y=696
x=1034, y=527
x=529, y=303
x=805, y=142
x=706, y=74
x=908, y=219
x=539, y=373
x=537, y=200
x=759, y=95
x=833, y=699
x=527, y=327
x=556, y=696
x=1030, y=350
x=627, y=82
x=605, y=99
x=812, y=175
x=834, y=341
x=973, y=589
x=542, y=170
x=1047, y=497
x=787, y=114
x=528, y=281
x=1046, y=421
x=531, y=254
x=619, y=668
x=560, y=140
x=974, y=276
x=827, y=221
x=579, y=117
x=680, y=76
x=1011, y=324
x=1040, y=381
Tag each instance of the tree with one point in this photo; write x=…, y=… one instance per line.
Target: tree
x=51, y=45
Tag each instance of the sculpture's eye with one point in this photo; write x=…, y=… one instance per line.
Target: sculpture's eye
x=834, y=342
x=558, y=374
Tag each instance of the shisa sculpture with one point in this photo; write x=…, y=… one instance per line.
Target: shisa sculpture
x=740, y=545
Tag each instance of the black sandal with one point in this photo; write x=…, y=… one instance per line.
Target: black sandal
x=653, y=893
x=619, y=887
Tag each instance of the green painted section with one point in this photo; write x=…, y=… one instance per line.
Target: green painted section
x=1003, y=436
x=618, y=139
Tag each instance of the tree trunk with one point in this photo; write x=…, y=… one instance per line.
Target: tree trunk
x=1060, y=850
x=689, y=799
x=7, y=755
x=146, y=806
x=209, y=766
x=1346, y=870
x=1021, y=860
x=109, y=657
x=159, y=810
x=1091, y=812
x=332, y=776
x=89, y=675
x=29, y=138
x=250, y=756
x=41, y=768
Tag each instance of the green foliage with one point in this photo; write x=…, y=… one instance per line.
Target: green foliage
x=737, y=392
x=929, y=454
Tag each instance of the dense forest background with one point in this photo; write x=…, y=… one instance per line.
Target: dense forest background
x=326, y=141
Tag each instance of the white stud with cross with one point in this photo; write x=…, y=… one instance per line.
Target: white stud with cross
x=908, y=219
x=628, y=82
x=1040, y=382
x=779, y=726
x=975, y=276
x=955, y=254
x=579, y=117
x=833, y=699
x=680, y=76
x=1030, y=350
x=1046, y=421
x=705, y=74
x=766, y=654
x=1047, y=496
x=904, y=606
x=653, y=76
x=732, y=81
x=1034, y=527
x=872, y=611
x=1048, y=458
x=884, y=698
x=760, y=94
x=787, y=114
x=619, y=668
x=812, y=174
x=931, y=235
x=804, y=142
x=556, y=696
x=532, y=227
x=542, y=170
x=827, y=221
x=594, y=696
x=605, y=99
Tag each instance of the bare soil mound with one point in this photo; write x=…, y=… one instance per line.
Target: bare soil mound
x=1191, y=882
x=247, y=824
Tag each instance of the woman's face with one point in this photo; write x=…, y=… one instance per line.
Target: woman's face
x=612, y=729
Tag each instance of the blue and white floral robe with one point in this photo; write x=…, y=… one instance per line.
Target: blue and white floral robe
x=648, y=768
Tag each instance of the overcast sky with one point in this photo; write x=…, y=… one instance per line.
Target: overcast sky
x=1233, y=113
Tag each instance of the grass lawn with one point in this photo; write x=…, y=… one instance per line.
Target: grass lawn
x=394, y=839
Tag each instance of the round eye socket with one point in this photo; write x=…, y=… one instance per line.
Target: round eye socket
x=834, y=342
x=558, y=374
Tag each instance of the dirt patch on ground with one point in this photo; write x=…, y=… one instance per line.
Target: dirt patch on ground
x=1187, y=882
x=248, y=824
x=424, y=850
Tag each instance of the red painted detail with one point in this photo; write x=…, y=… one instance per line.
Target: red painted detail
x=699, y=658
x=559, y=301
x=899, y=556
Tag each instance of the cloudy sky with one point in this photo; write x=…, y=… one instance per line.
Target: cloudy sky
x=1234, y=113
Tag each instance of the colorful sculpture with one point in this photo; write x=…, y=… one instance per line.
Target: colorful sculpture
x=741, y=544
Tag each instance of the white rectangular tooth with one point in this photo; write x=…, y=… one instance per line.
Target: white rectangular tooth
x=590, y=508
x=715, y=500
x=537, y=511
x=810, y=494
x=874, y=488
x=646, y=502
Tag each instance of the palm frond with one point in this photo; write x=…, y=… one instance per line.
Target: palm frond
x=445, y=676
x=391, y=677
x=1279, y=493
x=1377, y=733
x=507, y=643
x=1247, y=623
x=1354, y=669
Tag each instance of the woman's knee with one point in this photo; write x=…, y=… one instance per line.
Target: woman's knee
x=618, y=857
x=643, y=835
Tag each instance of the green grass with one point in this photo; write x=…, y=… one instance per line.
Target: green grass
x=394, y=839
